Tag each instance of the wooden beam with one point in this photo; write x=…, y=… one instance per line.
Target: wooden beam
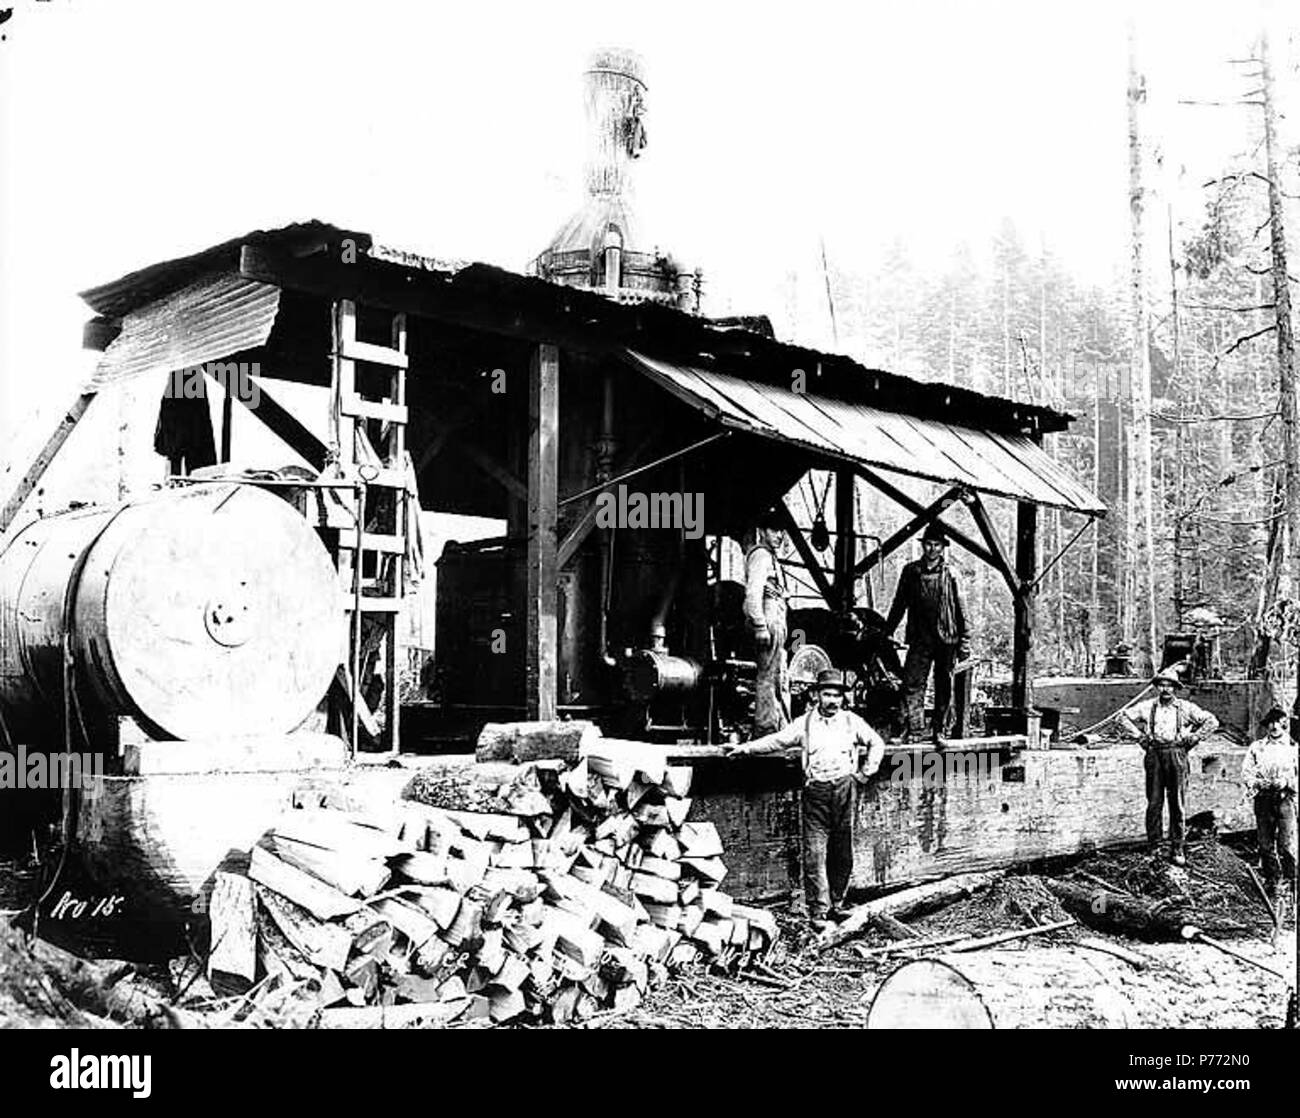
x=806, y=553
x=930, y=512
x=227, y=416
x=32, y=477
x=574, y=538
x=447, y=430
x=899, y=497
x=542, y=649
x=284, y=425
x=1022, y=670
x=985, y=524
x=846, y=540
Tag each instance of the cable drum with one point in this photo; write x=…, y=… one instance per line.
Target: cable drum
x=200, y=612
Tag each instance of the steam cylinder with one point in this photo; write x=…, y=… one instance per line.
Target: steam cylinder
x=201, y=612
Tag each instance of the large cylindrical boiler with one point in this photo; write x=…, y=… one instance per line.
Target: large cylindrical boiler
x=208, y=611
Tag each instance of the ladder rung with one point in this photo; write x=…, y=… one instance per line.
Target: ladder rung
x=373, y=605
x=352, y=350
x=373, y=409
x=374, y=541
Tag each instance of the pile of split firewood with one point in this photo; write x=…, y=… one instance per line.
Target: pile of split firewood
x=575, y=900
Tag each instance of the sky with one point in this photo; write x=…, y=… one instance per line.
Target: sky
x=136, y=130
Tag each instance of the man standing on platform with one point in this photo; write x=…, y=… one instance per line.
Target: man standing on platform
x=1167, y=728
x=765, y=617
x=830, y=740
x=929, y=594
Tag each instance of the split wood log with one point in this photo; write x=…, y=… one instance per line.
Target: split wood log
x=459, y=782
x=1100, y=908
x=322, y=944
x=908, y=902
x=232, y=959
x=347, y=872
x=1044, y=988
x=321, y=900
x=651, y=761
x=519, y=742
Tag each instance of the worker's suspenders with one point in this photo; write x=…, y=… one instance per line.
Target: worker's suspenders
x=1178, y=719
x=807, y=732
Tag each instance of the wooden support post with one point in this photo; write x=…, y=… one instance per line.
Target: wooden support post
x=227, y=416
x=542, y=651
x=846, y=540
x=32, y=477
x=1022, y=678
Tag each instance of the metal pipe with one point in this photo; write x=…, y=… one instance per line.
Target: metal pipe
x=642, y=469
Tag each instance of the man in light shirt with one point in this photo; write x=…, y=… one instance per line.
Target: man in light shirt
x=1268, y=776
x=1167, y=728
x=830, y=740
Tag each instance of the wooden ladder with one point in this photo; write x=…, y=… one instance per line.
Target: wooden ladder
x=369, y=386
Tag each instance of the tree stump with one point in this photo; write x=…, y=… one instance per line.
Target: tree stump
x=1045, y=988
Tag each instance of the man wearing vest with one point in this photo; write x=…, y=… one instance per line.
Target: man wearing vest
x=829, y=739
x=929, y=594
x=1167, y=728
x=765, y=617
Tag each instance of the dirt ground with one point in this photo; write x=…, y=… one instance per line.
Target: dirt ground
x=1181, y=985
x=834, y=990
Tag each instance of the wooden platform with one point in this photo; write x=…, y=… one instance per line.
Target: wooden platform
x=161, y=838
x=910, y=826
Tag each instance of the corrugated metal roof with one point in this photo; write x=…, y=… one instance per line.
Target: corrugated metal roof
x=211, y=319
x=589, y=314
x=145, y=285
x=1006, y=465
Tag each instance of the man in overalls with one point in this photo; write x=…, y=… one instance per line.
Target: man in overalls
x=1167, y=728
x=765, y=618
x=929, y=593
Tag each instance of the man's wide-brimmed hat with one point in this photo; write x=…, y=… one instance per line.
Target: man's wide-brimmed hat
x=934, y=531
x=1275, y=714
x=830, y=678
x=1167, y=676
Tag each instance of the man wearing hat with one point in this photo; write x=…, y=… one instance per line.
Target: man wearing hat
x=765, y=617
x=829, y=739
x=1167, y=727
x=1268, y=775
x=929, y=594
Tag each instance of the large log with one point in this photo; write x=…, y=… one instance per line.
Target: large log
x=104, y=989
x=1047, y=988
x=908, y=902
x=1110, y=911
x=518, y=742
x=1072, y=986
